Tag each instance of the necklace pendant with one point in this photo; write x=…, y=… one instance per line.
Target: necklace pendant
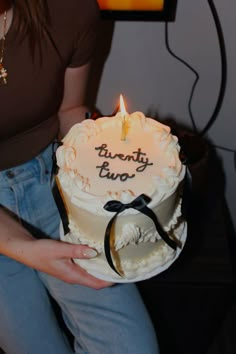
x=3, y=75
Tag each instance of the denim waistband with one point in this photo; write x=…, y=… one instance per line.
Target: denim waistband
x=39, y=166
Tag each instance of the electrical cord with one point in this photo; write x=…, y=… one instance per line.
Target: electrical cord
x=191, y=69
x=223, y=67
x=223, y=71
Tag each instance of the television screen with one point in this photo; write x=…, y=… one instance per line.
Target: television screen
x=156, y=10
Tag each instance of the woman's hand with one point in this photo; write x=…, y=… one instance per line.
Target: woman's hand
x=46, y=255
x=55, y=258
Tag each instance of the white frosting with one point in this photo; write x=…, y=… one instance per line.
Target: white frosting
x=80, y=178
x=147, y=162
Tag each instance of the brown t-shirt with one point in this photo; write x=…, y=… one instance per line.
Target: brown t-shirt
x=30, y=101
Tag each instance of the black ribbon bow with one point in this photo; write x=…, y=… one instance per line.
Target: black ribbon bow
x=140, y=204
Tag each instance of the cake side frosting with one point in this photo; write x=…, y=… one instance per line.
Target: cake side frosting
x=129, y=227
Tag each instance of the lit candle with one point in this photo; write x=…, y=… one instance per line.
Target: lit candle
x=124, y=121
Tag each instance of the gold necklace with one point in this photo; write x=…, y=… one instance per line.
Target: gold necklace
x=3, y=72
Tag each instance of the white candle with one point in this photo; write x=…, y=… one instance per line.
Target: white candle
x=124, y=120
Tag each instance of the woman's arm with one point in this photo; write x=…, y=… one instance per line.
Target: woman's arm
x=49, y=256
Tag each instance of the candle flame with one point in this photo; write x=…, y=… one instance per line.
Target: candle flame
x=122, y=106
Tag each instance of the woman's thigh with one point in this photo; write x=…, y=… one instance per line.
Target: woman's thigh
x=108, y=321
x=27, y=322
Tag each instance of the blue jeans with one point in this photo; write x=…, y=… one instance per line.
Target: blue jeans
x=108, y=321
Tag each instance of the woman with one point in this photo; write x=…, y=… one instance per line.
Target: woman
x=46, y=51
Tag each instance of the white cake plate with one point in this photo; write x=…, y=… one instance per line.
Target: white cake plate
x=148, y=275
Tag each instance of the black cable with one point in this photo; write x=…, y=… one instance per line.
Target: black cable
x=223, y=68
x=190, y=68
x=223, y=71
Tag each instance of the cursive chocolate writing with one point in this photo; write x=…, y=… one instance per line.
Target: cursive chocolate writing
x=137, y=156
x=105, y=173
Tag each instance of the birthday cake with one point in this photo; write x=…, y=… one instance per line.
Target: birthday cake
x=123, y=195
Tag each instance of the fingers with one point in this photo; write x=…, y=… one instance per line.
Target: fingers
x=77, y=275
x=68, y=250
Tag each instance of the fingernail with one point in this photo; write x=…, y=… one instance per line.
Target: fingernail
x=90, y=253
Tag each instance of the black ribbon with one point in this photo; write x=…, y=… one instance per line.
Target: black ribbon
x=187, y=159
x=140, y=204
x=187, y=199
x=56, y=191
